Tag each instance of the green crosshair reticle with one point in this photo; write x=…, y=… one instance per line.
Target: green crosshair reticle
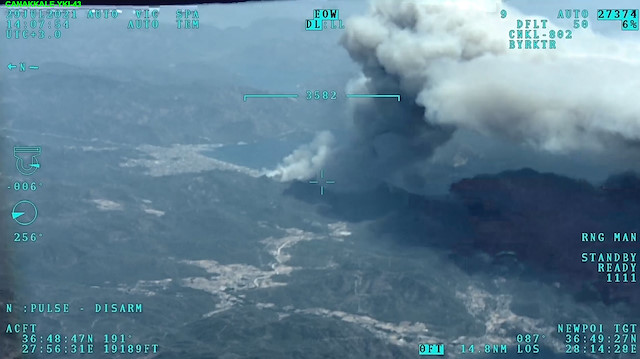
x=322, y=182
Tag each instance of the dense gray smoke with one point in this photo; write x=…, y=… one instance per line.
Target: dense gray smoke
x=451, y=63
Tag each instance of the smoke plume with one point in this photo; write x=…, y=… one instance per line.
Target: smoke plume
x=451, y=63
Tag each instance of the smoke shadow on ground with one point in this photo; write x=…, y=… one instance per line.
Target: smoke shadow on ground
x=518, y=219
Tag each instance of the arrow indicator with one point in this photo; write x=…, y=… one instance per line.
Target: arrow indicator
x=24, y=212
